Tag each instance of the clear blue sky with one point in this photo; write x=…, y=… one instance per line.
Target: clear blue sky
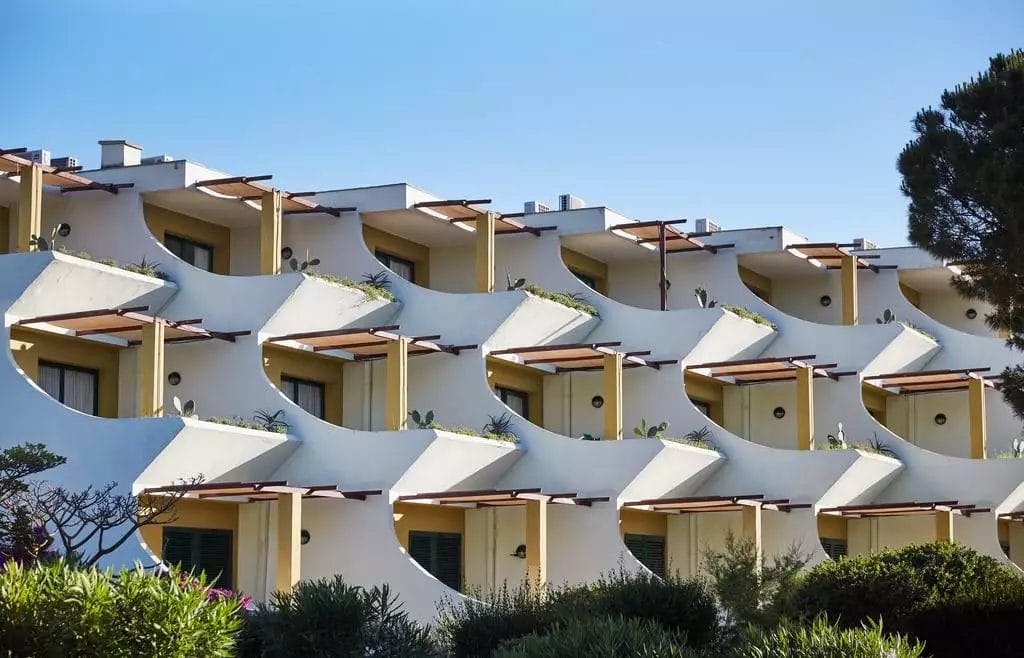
x=755, y=113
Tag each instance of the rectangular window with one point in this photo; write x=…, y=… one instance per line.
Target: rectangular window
x=649, y=550
x=307, y=394
x=440, y=553
x=190, y=251
x=400, y=266
x=588, y=281
x=517, y=401
x=200, y=550
x=835, y=548
x=75, y=387
x=703, y=406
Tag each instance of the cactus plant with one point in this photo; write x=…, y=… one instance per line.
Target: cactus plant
x=645, y=431
x=703, y=299
x=514, y=284
x=423, y=421
x=186, y=409
x=837, y=441
x=888, y=317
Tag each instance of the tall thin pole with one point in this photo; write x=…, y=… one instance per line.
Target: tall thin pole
x=663, y=283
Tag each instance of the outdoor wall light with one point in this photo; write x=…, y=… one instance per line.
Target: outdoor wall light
x=174, y=378
x=304, y=537
x=286, y=253
x=597, y=401
x=779, y=412
x=940, y=419
x=971, y=314
x=825, y=300
x=520, y=552
x=64, y=230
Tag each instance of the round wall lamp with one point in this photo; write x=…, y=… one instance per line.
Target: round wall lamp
x=597, y=401
x=286, y=253
x=304, y=537
x=779, y=412
x=64, y=230
x=971, y=314
x=174, y=378
x=825, y=300
x=940, y=419
x=520, y=552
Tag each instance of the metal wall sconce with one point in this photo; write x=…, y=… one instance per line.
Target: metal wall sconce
x=825, y=300
x=286, y=253
x=940, y=419
x=64, y=230
x=971, y=314
x=304, y=537
x=779, y=412
x=597, y=401
x=520, y=552
x=174, y=378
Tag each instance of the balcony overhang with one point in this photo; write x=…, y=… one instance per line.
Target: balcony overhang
x=579, y=357
x=477, y=498
x=252, y=492
x=705, y=504
x=765, y=370
x=933, y=381
x=62, y=179
x=876, y=510
x=365, y=344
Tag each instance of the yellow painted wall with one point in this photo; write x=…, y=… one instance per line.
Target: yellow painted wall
x=30, y=346
x=912, y=295
x=430, y=518
x=205, y=514
x=709, y=391
x=875, y=402
x=162, y=221
x=519, y=378
x=760, y=284
x=832, y=527
x=278, y=361
x=5, y=230
x=642, y=522
x=419, y=255
x=587, y=266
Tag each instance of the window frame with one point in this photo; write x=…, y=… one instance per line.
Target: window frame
x=225, y=579
x=387, y=259
x=433, y=568
x=504, y=391
x=646, y=539
x=63, y=368
x=189, y=242
x=289, y=379
x=831, y=545
x=585, y=279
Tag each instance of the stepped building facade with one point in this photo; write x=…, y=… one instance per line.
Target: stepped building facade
x=415, y=389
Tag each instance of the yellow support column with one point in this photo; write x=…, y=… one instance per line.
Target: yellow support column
x=613, y=396
x=151, y=370
x=752, y=529
x=289, y=541
x=398, y=384
x=485, y=252
x=979, y=426
x=537, y=545
x=850, y=304
x=30, y=206
x=805, y=408
x=944, y=525
x=270, y=232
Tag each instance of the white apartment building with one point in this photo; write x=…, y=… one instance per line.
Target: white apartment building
x=800, y=338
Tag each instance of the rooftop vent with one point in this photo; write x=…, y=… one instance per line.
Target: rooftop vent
x=570, y=202
x=65, y=162
x=119, y=153
x=39, y=156
x=706, y=226
x=534, y=207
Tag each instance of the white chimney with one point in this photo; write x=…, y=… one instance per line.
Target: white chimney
x=119, y=153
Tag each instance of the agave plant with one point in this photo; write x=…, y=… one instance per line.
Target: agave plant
x=271, y=422
x=514, y=284
x=703, y=299
x=62, y=230
x=186, y=409
x=423, y=421
x=645, y=431
x=837, y=441
x=146, y=268
x=699, y=438
x=881, y=447
x=377, y=280
x=500, y=425
x=888, y=317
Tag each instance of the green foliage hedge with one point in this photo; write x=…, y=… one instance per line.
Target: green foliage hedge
x=598, y=636
x=820, y=639
x=57, y=610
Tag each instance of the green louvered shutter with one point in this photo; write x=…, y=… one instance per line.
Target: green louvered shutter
x=440, y=554
x=649, y=550
x=199, y=550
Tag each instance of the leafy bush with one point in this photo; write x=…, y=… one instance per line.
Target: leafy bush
x=57, y=610
x=372, y=291
x=329, y=618
x=747, y=314
x=598, y=636
x=894, y=583
x=821, y=639
x=474, y=628
x=568, y=299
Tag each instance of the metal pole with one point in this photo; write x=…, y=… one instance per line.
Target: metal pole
x=663, y=283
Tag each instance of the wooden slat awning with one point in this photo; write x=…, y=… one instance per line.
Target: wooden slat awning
x=249, y=189
x=502, y=497
x=466, y=212
x=1013, y=516
x=933, y=381
x=127, y=323
x=830, y=255
x=580, y=356
x=912, y=508
x=766, y=370
x=648, y=234
x=698, y=504
x=10, y=164
x=367, y=344
x=257, y=491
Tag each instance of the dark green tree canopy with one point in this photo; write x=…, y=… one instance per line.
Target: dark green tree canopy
x=964, y=175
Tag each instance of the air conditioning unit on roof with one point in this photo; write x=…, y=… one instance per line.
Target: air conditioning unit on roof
x=534, y=207
x=864, y=243
x=65, y=162
x=39, y=156
x=705, y=226
x=570, y=202
x=157, y=159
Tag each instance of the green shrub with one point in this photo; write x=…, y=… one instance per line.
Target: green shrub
x=747, y=314
x=893, y=583
x=820, y=639
x=329, y=618
x=571, y=300
x=473, y=628
x=598, y=637
x=57, y=610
